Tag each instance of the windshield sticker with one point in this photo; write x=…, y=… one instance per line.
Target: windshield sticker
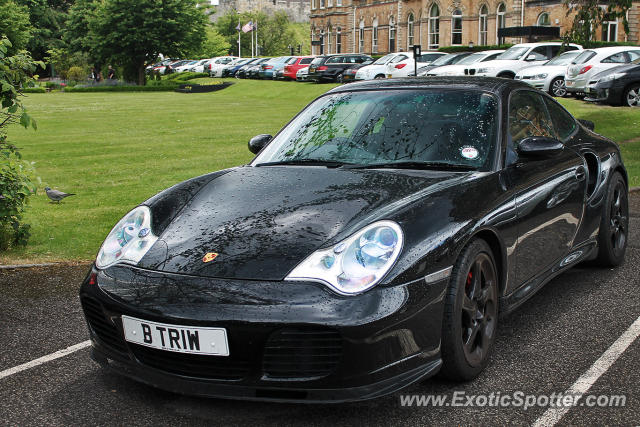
x=469, y=152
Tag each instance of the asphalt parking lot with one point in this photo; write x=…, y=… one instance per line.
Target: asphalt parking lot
x=555, y=339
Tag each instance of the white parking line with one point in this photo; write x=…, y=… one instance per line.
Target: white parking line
x=44, y=359
x=584, y=383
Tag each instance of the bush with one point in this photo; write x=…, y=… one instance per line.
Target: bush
x=77, y=74
x=187, y=75
x=36, y=89
x=148, y=88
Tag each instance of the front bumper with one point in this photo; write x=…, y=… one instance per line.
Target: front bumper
x=337, y=349
x=604, y=92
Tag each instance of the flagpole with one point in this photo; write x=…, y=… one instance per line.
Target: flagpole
x=239, y=29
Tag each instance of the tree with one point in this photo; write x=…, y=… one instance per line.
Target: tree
x=589, y=15
x=15, y=25
x=215, y=45
x=16, y=184
x=76, y=35
x=47, y=18
x=133, y=32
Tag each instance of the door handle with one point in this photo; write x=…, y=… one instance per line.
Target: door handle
x=580, y=174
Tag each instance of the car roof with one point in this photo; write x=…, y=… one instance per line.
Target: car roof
x=489, y=84
x=613, y=49
x=542, y=44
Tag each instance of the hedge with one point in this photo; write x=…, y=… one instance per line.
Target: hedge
x=160, y=88
x=34, y=90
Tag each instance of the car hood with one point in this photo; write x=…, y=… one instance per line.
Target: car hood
x=539, y=69
x=619, y=69
x=451, y=68
x=263, y=221
x=496, y=63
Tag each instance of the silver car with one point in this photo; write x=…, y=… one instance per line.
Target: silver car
x=549, y=77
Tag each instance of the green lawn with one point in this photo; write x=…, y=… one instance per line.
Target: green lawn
x=116, y=149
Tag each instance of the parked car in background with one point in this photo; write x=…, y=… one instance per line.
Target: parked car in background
x=617, y=86
x=231, y=69
x=594, y=61
x=253, y=72
x=549, y=76
x=404, y=65
x=153, y=67
x=292, y=67
x=520, y=56
x=217, y=64
x=330, y=68
x=242, y=72
x=461, y=68
x=448, y=59
x=302, y=75
x=350, y=74
x=173, y=64
x=268, y=68
x=198, y=67
x=186, y=66
x=378, y=69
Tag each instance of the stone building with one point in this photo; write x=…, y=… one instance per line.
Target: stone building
x=379, y=26
x=298, y=10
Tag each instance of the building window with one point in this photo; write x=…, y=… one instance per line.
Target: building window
x=434, y=27
x=338, y=2
x=392, y=35
x=313, y=4
x=361, y=37
x=328, y=39
x=322, y=41
x=338, y=40
x=456, y=27
x=329, y=3
x=610, y=29
x=410, y=21
x=322, y=4
x=501, y=21
x=374, y=37
x=482, y=26
x=543, y=20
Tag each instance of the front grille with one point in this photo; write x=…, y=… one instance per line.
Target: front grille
x=104, y=329
x=192, y=365
x=300, y=353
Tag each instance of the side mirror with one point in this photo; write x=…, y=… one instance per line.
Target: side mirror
x=258, y=142
x=587, y=123
x=539, y=147
x=530, y=58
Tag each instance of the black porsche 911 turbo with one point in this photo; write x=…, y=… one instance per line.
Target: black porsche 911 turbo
x=371, y=243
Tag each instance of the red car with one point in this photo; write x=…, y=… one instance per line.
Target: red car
x=294, y=64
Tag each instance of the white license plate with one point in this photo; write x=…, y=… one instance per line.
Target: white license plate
x=568, y=83
x=181, y=339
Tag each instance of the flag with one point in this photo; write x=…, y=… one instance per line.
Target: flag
x=247, y=27
x=238, y=27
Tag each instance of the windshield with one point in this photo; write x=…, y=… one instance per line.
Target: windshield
x=384, y=59
x=318, y=60
x=443, y=126
x=564, y=59
x=584, y=57
x=472, y=59
x=443, y=60
x=513, y=52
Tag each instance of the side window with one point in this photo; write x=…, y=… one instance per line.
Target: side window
x=528, y=116
x=634, y=54
x=305, y=61
x=335, y=60
x=539, y=53
x=555, y=50
x=563, y=123
x=618, y=58
x=568, y=48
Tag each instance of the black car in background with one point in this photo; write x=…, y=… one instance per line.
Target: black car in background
x=616, y=86
x=245, y=71
x=349, y=74
x=230, y=70
x=452, y=58
x=331, y=68
x=370, y=244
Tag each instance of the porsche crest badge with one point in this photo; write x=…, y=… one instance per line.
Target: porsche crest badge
x=209, y=257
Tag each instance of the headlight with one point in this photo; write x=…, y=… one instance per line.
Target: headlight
x=610, y=77
x=357, y=263
x=540, y=76
x=129, y=240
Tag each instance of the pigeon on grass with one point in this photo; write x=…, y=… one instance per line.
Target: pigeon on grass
x=56, y=195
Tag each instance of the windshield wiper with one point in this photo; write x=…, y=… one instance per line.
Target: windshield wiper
x=309, y=162
x=415, y=165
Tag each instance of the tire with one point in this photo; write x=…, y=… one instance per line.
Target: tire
x=340, y=78
x=631, y=96
x=471, y=313
x=557, y=87
x=614, y=225
x=379, y=76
